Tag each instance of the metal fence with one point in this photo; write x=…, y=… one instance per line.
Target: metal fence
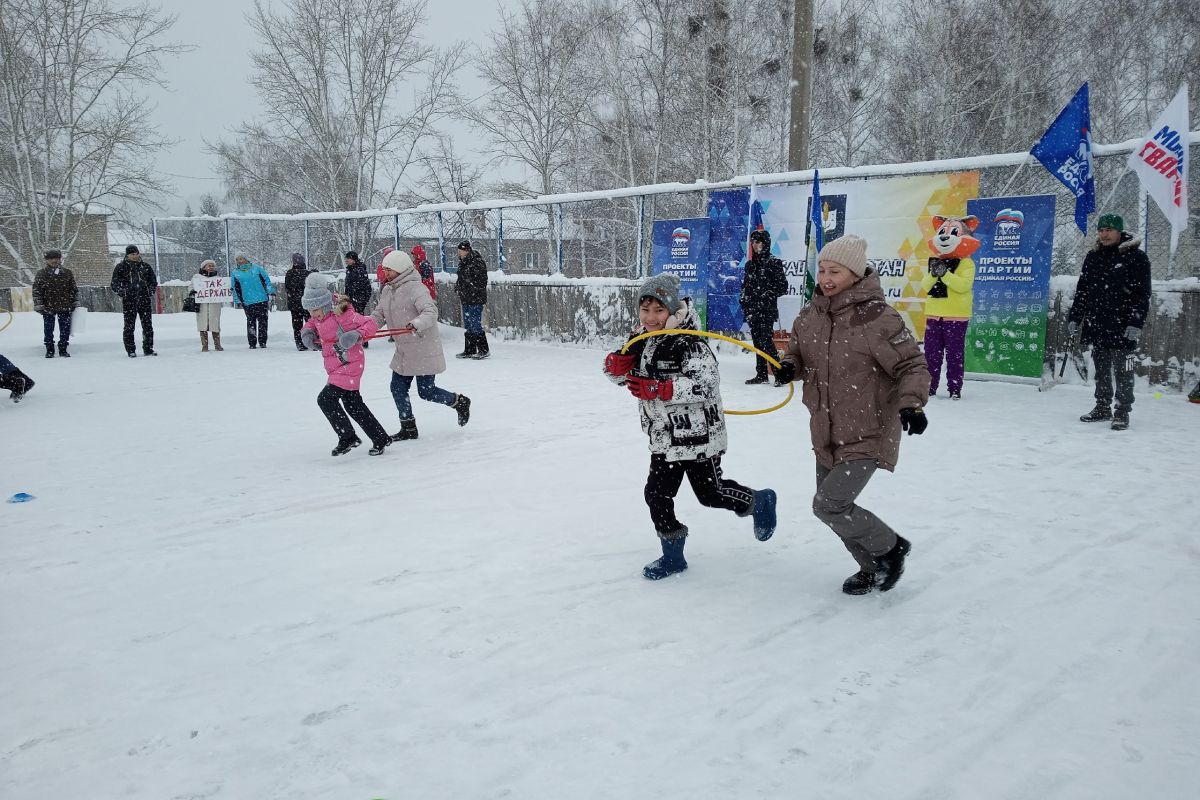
x=608, y=234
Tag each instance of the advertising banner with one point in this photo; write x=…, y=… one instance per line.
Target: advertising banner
x=1007, y=333
x=681, y=247
x=728, y=212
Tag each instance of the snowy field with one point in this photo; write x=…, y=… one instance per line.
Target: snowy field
x=202, y=603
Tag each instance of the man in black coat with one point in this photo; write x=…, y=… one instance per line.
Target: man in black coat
x=135, y=283
x=293, y=287
x=358, y=284
x=1112, y=299
x=55, y=296
x=471, y=287
x=765, y=281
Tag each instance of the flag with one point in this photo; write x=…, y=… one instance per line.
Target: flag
x=816, y=219
x=1160, y=161
x=1065, y=149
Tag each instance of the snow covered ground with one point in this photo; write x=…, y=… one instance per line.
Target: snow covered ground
x=202, y=603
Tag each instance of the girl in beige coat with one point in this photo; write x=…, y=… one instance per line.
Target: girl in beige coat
x=864, y=381
x=405, y=304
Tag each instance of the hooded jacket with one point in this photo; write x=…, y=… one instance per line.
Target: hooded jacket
x=1113, y=293
x=293, y=283
x=251, y=284
x=764, y=282
x=358, y=285
x=345, y=372
x=472, y=281
x=134, y=282
x=405, y=301
x=691, y=425
x=425, y=270
x=860, y=365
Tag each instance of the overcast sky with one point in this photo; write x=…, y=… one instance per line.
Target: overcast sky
x=210, y=91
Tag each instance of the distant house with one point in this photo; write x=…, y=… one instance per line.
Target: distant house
x=88, y=259
x=173, y=261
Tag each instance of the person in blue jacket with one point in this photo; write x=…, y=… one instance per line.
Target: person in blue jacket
x=253, y=290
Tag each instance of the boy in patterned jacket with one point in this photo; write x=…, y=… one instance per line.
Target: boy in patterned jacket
x=677, y=383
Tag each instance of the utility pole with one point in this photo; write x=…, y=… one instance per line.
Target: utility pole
x=802, y=48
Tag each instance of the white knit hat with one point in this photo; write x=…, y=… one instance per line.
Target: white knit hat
x=316, y=292
x=398, y=261
x=850, y=251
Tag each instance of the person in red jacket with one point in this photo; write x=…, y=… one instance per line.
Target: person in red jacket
x=424, y=269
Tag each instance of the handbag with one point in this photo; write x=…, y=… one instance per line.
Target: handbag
x=190, y=304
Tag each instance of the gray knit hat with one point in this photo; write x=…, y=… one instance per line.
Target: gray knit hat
x=316, y=293
x=850, y=251
x=664, y=288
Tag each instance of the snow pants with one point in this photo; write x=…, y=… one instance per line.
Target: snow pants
x=761, y=330
x=863, y=534
x=256, y=323
x=712, y=490
x=946, y=337
x=340, y=406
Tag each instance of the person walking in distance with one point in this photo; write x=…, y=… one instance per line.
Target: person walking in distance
x=136, y=284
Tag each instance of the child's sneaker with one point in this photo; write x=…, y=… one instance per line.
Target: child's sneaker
x=764, y=514
x=672, y=559
x=345, y=446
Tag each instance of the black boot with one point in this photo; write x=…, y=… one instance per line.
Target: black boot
x=408, y=430
x=462, y=404
x=756, y=380
x=62, y=350
x=671, y=561
x=468, y=346
x=18, y=384
x=345, y=446
x=50, y=350
x=481, y=347
x=1120, y=420
x=377, y=448
x=891, y=564
x=1101, y=413
x=861, y=582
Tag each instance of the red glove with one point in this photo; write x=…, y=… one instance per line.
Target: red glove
x=647, y=389
x=618, y=364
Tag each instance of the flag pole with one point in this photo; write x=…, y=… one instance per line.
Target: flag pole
x=1021, y=166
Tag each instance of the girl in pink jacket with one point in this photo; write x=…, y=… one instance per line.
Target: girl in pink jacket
x=340, y=335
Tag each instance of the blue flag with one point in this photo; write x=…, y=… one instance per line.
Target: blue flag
x=1065, y=149
x=814, y=212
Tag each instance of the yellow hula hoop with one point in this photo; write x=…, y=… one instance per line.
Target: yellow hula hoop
x=8, y=321
x=724, y=338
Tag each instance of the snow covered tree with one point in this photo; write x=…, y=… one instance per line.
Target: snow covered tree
x=74, y=133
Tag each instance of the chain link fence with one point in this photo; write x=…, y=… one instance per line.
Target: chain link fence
x=610, y=236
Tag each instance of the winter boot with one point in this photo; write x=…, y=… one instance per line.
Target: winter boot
x=481, y=347
x=468, y=346
x=1101, y=413
x=408, y=430
x=50, y=350
x=891, y=564
x=345, y=446
x=757, y=379
x=860, y=583
x=1120, y=420
x=672, y=558
x=18, y=384
x=763, y=510
x=462, y=404
x=377, y=448
x=956, y=395
x=217, y=342
x=203, y=341
x=62, y=350
x=148, y=351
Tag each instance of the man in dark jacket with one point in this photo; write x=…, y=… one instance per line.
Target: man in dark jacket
x=471, y=287
x=55, y=297
x=358, y=284
x=1112, y=299
x=293, y=287
x=765, y=281
x=135, y=283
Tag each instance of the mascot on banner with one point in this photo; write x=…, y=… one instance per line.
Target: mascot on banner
x=947, y=284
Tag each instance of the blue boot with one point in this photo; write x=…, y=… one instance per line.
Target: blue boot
x=764, y=514
x=671, y=561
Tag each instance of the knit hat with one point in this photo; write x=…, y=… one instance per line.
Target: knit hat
x=464, y=245
x=298, y=260
x=398, y=261
x=664, y=288
x=850, y=251
x=131, y=249
x=1113, y=221
x=761, y=236
x=53, y=254
x=316, y=293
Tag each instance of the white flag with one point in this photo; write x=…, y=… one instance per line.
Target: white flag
x=1160, y=161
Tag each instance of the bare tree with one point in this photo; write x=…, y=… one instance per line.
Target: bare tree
x=336, y=135
x=848, y=49
x=74, y=130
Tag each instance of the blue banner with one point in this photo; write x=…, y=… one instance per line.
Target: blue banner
x=728, y=211
x=681, y=248
x=1065, y=149
x=1007, y=335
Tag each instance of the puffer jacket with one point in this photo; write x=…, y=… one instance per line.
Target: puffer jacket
x=344, y=370
x=764, y=282
x=860, y=365
x=54, y=290
x=405, y=301
x=135, y=283
x=252, y=284
x=472, y=282
x=1113, y=293
x=358, y=285
x=951, y=296
x=691, y=425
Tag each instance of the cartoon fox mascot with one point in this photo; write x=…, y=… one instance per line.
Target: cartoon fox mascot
x=947, y=285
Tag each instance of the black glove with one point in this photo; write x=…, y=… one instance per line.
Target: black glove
x=785, y=372
x=937, y=267
x=913, y=420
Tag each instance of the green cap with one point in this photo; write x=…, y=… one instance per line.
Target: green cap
x=1113, y=221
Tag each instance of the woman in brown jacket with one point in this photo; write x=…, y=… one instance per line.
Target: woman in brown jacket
x=865, y=380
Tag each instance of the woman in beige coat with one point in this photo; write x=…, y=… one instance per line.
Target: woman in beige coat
x=864, y=381
x=405, y=304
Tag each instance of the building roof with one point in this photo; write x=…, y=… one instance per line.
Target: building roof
x=121, y=235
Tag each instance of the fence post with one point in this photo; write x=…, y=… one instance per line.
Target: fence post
x=396, y=223
x=154, y=239
x=500, y=241
x=441, y=243
x=560, y=238
x=641, y=236
x=306, y=243
x=228, y=257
